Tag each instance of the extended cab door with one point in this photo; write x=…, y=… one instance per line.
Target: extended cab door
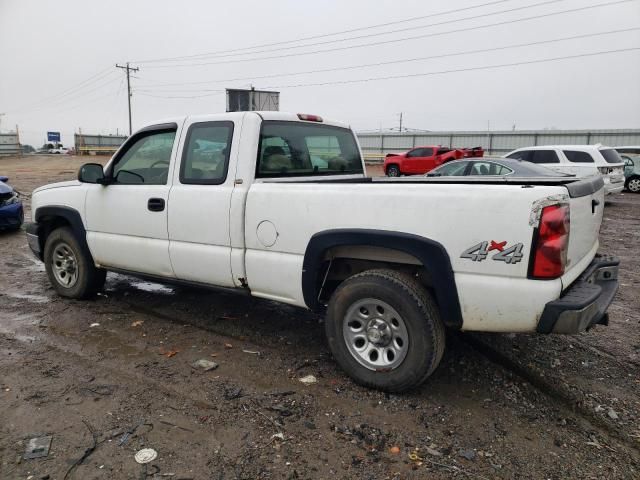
x=127, y=218
x=200, y=200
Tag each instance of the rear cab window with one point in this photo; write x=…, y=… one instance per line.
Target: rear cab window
x=296, y=149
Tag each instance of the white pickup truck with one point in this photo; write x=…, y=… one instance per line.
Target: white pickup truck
x=278, y=206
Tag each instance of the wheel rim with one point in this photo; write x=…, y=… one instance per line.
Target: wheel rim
x=393, y=172
x=634, y=185
x=64, y=265
x=375, y=334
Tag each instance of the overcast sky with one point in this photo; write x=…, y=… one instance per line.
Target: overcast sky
x=57, y=62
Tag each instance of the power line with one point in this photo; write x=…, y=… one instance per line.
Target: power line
x=378, y=64
x=404, y=39
x=70, y=90
x=84, y=103
x=441, y=72
x=78, y=93
x=324, y=35
x=417, y=27
x=459, y=70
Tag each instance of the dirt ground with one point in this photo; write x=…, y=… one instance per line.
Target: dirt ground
x=110, y=376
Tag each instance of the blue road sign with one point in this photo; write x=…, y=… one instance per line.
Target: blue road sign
x=53, y=136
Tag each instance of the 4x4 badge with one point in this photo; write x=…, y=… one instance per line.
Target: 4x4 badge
x=479, y=252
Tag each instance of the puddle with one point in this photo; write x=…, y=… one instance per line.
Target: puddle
x=152, y=287
x=10, y=325
x=104, y=340
x=145, y=286
x=36, y=265
x=29, y=298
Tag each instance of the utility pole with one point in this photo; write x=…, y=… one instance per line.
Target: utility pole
x=128, y=69
x=400, y=129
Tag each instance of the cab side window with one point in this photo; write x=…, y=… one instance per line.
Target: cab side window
x=205, y=159
x=146, y=161
x=489, y=168
x=452, y=169
x=575, y=156
x=521, y=155
x=427, y=152
x=543, y=156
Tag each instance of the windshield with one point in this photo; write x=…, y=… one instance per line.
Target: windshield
x=611, y=156
x=289, y=149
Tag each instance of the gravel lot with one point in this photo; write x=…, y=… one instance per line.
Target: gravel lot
x=108, y=377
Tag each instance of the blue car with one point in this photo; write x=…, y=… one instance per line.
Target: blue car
x=11, y=211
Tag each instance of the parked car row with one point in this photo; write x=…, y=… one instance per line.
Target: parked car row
x=618, y=172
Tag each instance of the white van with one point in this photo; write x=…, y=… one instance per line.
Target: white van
x=579, y=160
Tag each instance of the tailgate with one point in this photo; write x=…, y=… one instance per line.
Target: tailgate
x=586, y=205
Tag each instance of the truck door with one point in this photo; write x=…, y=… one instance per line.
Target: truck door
x=428, y=160
x=199, y=203
x=413, y=161
x=127, y=219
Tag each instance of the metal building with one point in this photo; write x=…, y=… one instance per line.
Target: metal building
x=97, y=144
x=251, y=100
x=376, y=145
x=9, y=144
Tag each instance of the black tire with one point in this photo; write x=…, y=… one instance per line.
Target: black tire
x=393, y=171
x=89, y=278
x=419, y=314
x=636, y=181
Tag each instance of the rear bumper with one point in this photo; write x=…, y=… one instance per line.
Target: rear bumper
x=610, y=188
x=585, y=302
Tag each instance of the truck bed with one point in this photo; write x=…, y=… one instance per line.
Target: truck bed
x=576, y=187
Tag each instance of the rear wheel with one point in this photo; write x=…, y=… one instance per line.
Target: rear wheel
x=384, y=330
x=393, y=171
x=70, y=268
x=633, y=184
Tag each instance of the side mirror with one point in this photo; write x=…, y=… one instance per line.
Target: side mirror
x=91, y=173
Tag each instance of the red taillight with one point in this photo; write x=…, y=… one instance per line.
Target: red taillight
x=550, y=255
x=309, y=118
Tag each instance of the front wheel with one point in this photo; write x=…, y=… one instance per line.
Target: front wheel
x=393, y=171
x=384, y=330
x=70, y=268
x=633, y=184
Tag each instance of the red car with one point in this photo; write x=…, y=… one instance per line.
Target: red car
x=421, y=160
